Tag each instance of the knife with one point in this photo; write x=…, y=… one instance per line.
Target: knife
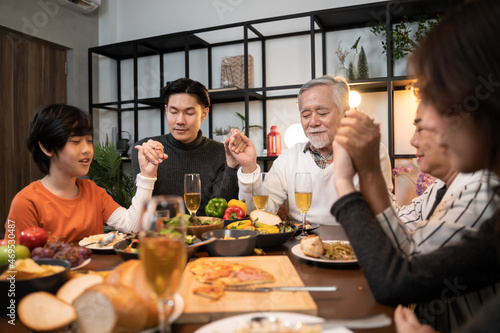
x=290, y=288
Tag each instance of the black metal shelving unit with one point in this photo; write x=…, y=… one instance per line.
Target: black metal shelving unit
x=320, y=22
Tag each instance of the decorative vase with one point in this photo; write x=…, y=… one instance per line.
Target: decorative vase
x=223, y=138
x=342, y=71
x=355, y=61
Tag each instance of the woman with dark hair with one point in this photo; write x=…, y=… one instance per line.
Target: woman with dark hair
x=458, y=80
x=187, y=105
x=68, y=207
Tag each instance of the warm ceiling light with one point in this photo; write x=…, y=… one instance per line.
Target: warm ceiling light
x=354, y=99
x=294, y=134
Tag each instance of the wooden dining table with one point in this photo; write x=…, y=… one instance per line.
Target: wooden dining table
x=353, y=299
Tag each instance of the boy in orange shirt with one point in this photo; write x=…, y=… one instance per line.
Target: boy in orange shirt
x=60, y=140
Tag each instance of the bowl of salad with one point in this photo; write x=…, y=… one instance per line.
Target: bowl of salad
x=129, y=248
x=197, y=225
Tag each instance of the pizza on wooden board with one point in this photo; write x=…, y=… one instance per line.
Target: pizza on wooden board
x=219, y=274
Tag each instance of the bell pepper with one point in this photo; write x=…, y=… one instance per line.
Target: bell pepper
x=238, y=203
x=216, y=207
x=233, y=213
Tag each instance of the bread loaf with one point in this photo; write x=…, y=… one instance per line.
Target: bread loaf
x=110, y=308
x=265, y=217
x=42, y=311
x=130, y=274
x=75, y=287
x=312, y=245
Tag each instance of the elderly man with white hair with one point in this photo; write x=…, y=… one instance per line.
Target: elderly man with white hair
x=322, y=103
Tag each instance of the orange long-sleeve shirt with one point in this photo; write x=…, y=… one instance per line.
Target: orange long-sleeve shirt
x=69, y=219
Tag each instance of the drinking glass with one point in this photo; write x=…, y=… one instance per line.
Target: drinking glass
x=163, y=254
x=260, y=194
x=303, y=198
x=192, y=192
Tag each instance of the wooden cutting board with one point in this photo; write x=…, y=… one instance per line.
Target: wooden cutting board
x=198, y=309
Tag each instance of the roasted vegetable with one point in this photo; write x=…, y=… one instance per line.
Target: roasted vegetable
x=244, y=224
x=216, y=207
x=233, y=213
x=238, y=203
x=133, y=247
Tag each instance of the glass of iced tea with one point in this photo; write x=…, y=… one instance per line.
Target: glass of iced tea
x=163, y=253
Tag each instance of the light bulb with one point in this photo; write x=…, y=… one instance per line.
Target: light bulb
x=294, y=134
x=354, y=99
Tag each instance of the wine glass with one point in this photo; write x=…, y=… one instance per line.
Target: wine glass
x=192, y=192
x=163, y=254
x=260, y=194
x=303, y=198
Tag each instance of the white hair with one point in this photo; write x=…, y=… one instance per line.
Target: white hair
x=340, y=90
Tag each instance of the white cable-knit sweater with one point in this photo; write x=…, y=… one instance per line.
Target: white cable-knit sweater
x=280, y=183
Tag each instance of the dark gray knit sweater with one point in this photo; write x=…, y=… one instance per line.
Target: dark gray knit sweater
x=204, y=156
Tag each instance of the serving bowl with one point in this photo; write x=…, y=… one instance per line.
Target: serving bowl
x=121, y=246
x=198, y=230
x=14, y=290
x=274, y=240
x=231, y=247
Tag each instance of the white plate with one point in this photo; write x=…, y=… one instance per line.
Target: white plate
x=232, y=323
x=309, y=227
x=178, y=308
x=96, y=246
x=85, y=262
x=297, y=251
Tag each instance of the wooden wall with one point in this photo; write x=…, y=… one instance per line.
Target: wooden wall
x=32, y=73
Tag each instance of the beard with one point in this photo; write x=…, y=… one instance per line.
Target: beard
x=319, y=141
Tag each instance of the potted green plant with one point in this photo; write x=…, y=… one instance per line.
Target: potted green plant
x=222, y=132
x=403, y=41
x=242, y=117
x=107, y=172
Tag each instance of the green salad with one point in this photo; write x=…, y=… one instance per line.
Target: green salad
x=173, y=233
x=191, y=221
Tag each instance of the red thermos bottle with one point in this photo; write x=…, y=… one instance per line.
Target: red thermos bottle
x=274, y=142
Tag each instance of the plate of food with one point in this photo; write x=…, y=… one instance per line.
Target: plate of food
x=309, y=226
x=313, y=248
x=265, y=322
x=82, y=264
x=102, y=242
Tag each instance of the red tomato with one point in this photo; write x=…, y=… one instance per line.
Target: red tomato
x=3, y=242
x=33, y=237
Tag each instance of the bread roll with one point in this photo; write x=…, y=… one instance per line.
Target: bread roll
x=41, y=311
x=110, y=308
x=265, y=217
x=75, y=287
x=312, y=245
x=130, y=274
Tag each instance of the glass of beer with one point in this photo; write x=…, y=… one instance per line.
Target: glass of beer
x=163, y=253
x=303, y=198
x=192, y=192
x=260, y=194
